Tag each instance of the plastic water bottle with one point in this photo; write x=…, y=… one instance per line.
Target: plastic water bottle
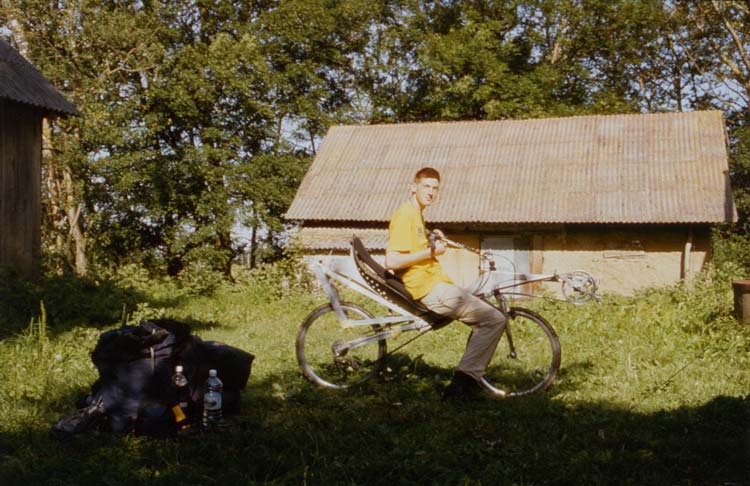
x=182, y=394
x=212, y=401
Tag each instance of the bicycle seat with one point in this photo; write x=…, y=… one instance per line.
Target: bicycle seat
x=389, y=286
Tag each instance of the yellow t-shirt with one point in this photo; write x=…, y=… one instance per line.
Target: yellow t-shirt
x=407, y=233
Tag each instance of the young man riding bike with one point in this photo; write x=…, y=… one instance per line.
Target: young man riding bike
x=413, y=257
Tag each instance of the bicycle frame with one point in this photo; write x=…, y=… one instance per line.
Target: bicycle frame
x=399, y=320
x=325, y=274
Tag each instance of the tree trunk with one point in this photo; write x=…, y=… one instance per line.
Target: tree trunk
x=64, y=216
x=224, y=242
x=16, y=29
x=74, y=214
x=253, y=245
x=54, y=216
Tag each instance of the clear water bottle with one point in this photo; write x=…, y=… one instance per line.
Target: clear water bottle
x=182, y=395
x=212, y=401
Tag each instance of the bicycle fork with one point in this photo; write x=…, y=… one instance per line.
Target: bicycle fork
x=511, y=347
x=502, y=306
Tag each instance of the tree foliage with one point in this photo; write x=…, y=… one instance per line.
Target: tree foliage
x=203, y=115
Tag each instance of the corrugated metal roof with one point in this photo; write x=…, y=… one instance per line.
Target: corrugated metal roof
x=643, y=168
x=21, y=82
x=319, y=238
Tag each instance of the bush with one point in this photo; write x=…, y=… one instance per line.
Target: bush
x=132, y=276
x=200, y=278
x=280, y=278
x=705, y=305
x=731, y=253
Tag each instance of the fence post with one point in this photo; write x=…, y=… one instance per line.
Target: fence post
x=742, y=300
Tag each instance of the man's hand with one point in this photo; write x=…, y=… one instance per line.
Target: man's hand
x=437, y=243
x=439, y=248
x=395, y=260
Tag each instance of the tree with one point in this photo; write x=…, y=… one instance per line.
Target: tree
x=203, y=115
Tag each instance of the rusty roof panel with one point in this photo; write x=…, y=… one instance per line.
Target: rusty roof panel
x=648, y=168
x=326, y=238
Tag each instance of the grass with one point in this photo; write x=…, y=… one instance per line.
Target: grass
x=653, y=390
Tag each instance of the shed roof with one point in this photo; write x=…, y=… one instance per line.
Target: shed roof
x=21, y=82
x=642, y=168
x=322, y=238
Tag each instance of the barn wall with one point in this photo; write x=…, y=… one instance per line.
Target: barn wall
x=625, y=259
x=622, y=258
x=20, y=187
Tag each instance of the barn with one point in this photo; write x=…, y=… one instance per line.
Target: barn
x=26, y=97
x=629, y=198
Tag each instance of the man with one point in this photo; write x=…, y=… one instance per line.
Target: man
x=410, y=254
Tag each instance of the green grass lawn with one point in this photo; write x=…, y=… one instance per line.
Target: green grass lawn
x=653, y=390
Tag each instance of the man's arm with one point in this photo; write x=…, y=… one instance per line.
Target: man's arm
x=397, y=260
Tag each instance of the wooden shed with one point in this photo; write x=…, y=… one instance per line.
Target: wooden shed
x=629, y=198
x=26, y=97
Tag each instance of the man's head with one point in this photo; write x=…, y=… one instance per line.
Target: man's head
x=425, y=186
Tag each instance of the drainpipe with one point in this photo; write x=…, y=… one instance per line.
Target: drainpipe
x=686, y=258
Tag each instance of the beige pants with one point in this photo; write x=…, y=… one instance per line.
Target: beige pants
x=487, y=324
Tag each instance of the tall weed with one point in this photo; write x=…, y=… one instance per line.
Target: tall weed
x=706, y=302
x=37, y=371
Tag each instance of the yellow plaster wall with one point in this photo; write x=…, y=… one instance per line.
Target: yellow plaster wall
x=461, y=265
x=621, y=259
x=624, y=260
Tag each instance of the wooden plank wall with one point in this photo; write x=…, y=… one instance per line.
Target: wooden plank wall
x=20, y=187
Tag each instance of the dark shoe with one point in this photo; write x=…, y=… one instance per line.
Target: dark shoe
x=462, y=387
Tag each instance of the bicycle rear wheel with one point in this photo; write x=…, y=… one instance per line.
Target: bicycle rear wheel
x=527, y=357
x=332, y=356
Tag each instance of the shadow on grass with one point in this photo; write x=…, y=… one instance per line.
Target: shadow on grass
x=396, y=430
x=68, y=301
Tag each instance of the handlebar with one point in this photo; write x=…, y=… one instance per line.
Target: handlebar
x=434, y=236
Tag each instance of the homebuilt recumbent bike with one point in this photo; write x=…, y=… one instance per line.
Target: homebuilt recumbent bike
x=341, y=344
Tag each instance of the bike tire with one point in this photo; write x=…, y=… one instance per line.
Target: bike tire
x=321, y=331
x=536, y=361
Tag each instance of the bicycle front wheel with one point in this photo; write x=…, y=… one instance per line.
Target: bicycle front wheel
x=527, y=357
x=579, y=287
x=333, y=356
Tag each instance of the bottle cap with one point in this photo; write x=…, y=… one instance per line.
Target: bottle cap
x=178, y=368
x=211, y=372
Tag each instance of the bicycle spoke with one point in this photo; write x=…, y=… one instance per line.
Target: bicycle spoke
x=337, y=357
x=531, y=363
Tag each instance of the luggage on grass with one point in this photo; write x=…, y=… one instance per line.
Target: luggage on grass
x=134, y=391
